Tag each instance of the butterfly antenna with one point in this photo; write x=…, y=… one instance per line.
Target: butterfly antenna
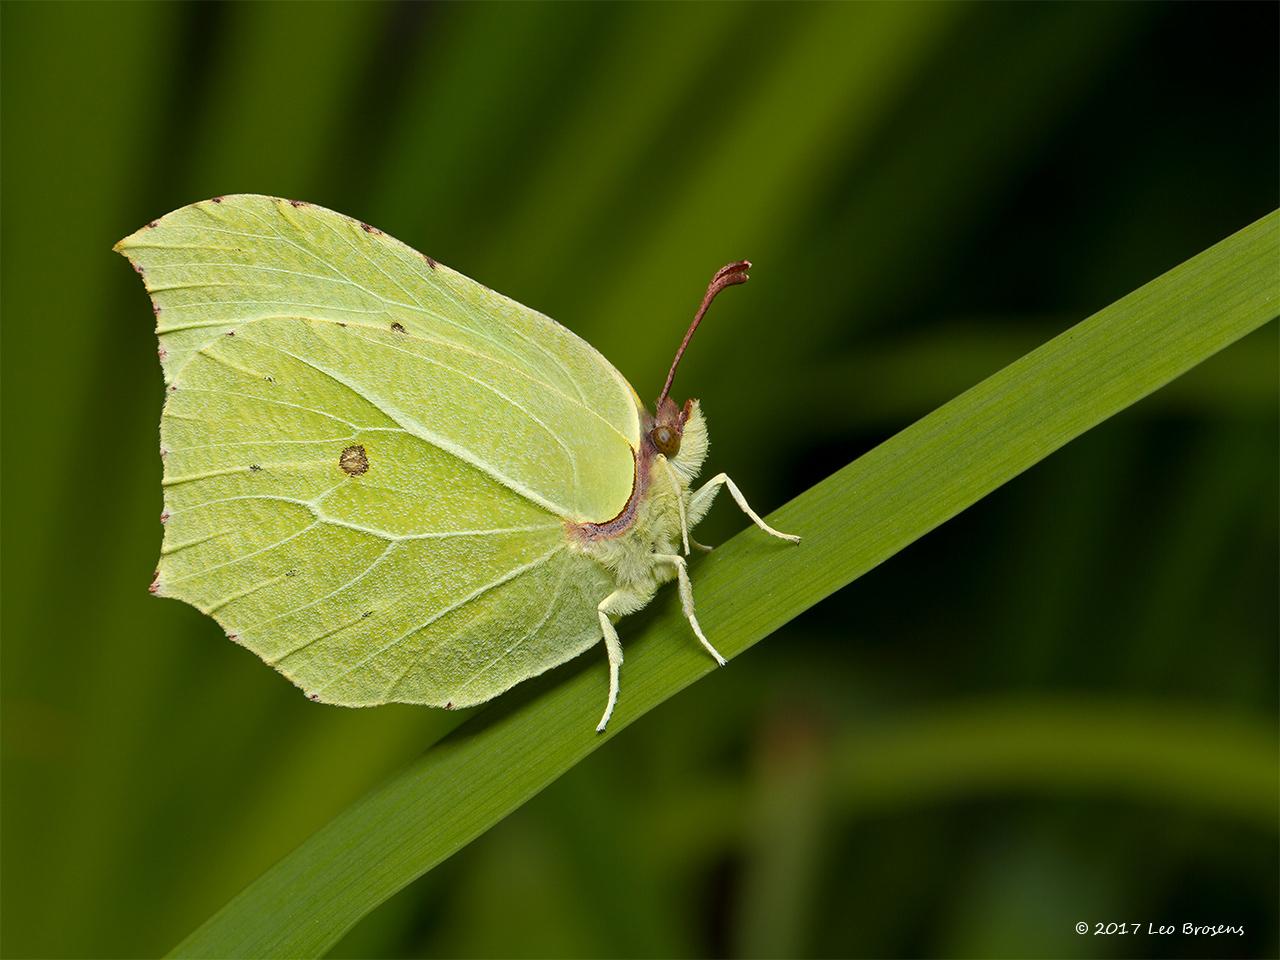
x=729, y=275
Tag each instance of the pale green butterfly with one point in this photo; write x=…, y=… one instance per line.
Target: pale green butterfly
x=391, y=483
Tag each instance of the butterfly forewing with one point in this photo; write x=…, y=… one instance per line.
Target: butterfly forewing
x=369, y=459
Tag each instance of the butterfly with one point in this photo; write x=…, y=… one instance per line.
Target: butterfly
x=391, y=483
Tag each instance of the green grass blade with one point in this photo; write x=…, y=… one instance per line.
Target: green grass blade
x=853, y=521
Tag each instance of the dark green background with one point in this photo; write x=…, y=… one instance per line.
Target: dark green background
x=928, y=191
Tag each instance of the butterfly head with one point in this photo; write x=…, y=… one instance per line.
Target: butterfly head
x=668, y=426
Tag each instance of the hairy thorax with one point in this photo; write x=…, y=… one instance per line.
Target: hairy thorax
x=652, y=522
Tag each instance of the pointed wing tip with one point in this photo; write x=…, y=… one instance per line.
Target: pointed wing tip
x=122, y=245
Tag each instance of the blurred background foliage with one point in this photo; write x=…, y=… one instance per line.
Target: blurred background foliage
x=917, y=766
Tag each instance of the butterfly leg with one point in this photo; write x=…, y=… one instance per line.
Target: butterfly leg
x=618, y=603
x=701, y=503
x=684, y=523
x=680, y=505
x=686, y=600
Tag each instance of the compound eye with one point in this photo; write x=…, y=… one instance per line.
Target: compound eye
x=666, y=440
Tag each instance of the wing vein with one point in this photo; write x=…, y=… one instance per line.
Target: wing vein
x=533, y=631
x=413, y=427
x=281, y=403
x=386, y=551
x=556, y=438
x=248, y=556
x=474, y=595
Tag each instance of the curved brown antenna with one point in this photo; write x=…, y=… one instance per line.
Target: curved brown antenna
x=727, y=276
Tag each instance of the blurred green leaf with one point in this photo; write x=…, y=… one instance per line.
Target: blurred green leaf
x=904, y=378
x=1151, y=752
x=852, y=522
x=1140, y=750
x=784, y=829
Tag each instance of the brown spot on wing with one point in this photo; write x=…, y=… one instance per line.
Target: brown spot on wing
x=353, y=460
